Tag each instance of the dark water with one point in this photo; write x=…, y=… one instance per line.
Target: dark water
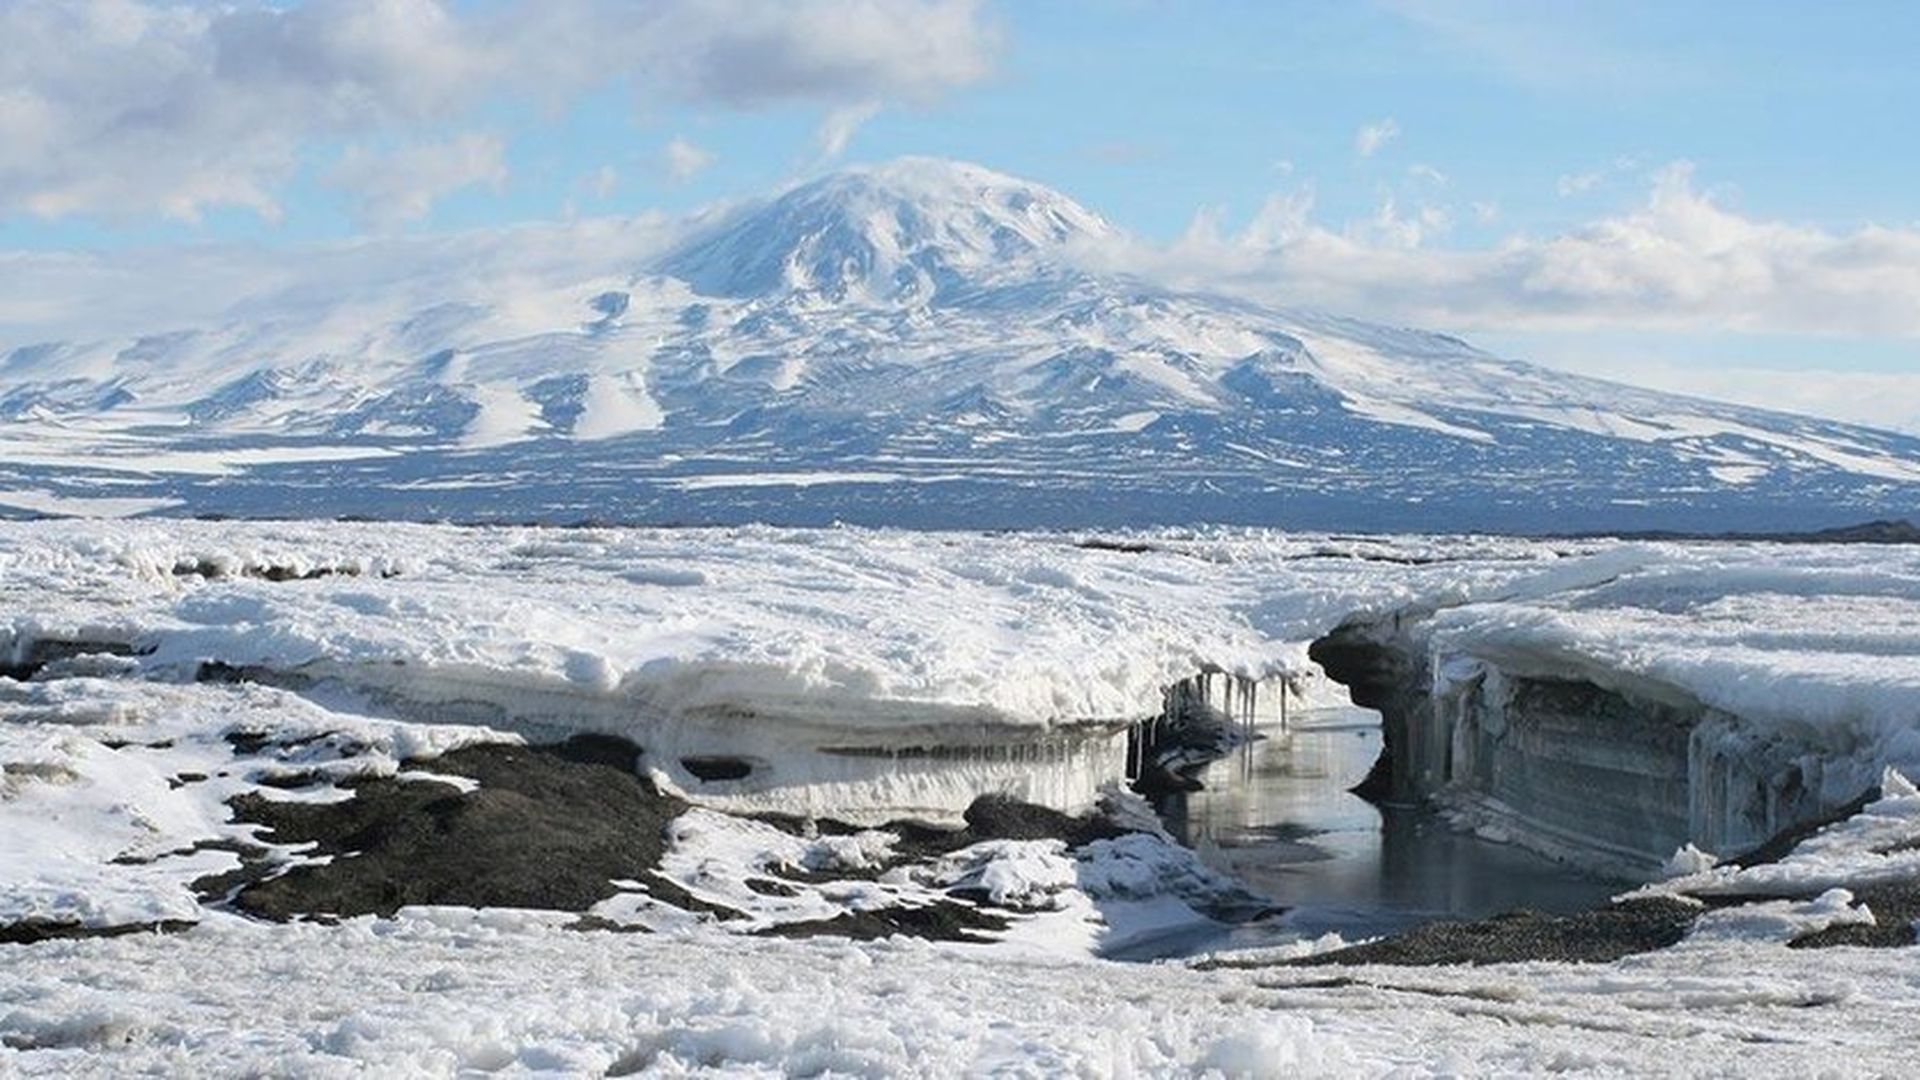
x=1278, y=816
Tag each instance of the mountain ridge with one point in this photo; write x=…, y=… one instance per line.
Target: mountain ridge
x=917, y=343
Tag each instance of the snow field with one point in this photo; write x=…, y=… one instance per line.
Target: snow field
x=442, y=993
x=420, y=639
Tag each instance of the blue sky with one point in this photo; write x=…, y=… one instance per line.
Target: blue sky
x=1707, y=196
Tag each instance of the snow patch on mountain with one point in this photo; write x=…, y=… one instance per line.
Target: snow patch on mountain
x=898, y=233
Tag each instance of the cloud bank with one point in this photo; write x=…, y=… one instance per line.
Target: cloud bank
x=139, y=107
x=682, y=160
x=1679, y=261
x=394, y=188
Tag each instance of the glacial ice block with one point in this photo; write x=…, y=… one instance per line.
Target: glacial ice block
x=1706, y=694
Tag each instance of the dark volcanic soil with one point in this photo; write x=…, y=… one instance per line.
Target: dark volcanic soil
x=549, y=827
x=943, y=921
x=1896, y=910
x=1590, y=937
x=31, y=931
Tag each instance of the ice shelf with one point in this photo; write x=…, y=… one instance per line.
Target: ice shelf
x=1607, y=698
x=1711, y=696
x=864, y=675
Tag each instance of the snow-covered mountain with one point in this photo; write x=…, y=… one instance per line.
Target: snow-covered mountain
x=913, y=343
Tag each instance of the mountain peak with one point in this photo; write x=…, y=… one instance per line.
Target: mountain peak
x=893, y=233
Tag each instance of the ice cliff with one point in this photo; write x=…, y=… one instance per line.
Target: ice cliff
x=1622, y=706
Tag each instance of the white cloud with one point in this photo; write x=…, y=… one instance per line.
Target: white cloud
x=683, y=160
x=1577, y=183
x=748, y=52
x=72, y=296
x=393, y=188
x=1485, y=213
x=1427, y=173
x=1390, y=228
x=1680, y=261
x=1371, y=137
x=1880, y=399
x=601, y=182
x=839, y=127
x=139, y=107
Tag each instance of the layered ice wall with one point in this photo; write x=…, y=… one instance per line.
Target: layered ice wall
x=1618, y=707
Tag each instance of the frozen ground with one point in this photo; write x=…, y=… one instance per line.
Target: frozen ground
x=155, y=672
x=443, y=993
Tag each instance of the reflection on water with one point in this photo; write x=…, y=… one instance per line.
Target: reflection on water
x=1278, y=815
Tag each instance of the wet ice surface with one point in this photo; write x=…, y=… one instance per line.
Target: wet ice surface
x=1279, y=816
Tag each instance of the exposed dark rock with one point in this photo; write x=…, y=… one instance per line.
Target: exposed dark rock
x=247, y=743
x=940, y=921
x=290, y=781
x=588, y=923
x=256, y=864
x=548, y=827
x=1895, y=907
x=218, y=671
x=717, y=768
x=27, y=662
x=1887, y=531
x=32, y=931
x=991, y=817
x=670, y=893
x=996, y=817
x=1590, y=937
x=211, y=570
x=1124, y=547
x=238, y=847
x=1370, y=556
